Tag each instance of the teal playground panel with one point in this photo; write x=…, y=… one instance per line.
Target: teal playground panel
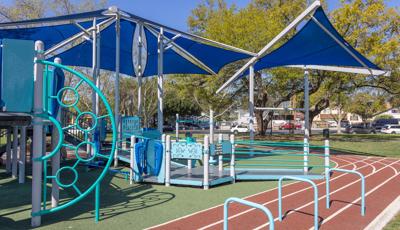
x=88, y=131
x=17, y=75
x=202, y=175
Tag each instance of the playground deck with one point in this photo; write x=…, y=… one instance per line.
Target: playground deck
x=382, y=188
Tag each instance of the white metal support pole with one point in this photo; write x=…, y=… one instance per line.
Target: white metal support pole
x=132, y=159
x=116, y=105
x=206, y=164
x=37, y=135
x=211, y=126
x=327, y=156
x=177, y=127
x=160, y=91
x=251, y=102
x=220, y=156
x=14, y=169
x=55, y=161
x=167, y=160
x=98, y=50
x=306, y=120
x=94, y=64
x=232, y=164
x=22, y=159
x=141, y=70
x=8, y=150
x=212, y=160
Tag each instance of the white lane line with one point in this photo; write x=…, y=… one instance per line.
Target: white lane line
x=247, y=197
x=332, y=192
x=357, y=200
x=288, y=195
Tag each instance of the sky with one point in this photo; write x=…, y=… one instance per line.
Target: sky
x=174, y=13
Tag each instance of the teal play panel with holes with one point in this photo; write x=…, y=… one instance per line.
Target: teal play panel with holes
x=72, y=102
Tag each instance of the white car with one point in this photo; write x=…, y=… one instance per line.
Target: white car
x=240, y=129
x=392, y=129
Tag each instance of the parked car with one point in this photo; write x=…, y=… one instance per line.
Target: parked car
x=378, y=124
x=290, y=126
x=391, y=129
x=240, y=129
x=332, y=124
x=168, y=128
x=362, y=128
x=344, y=123
x=189, y=126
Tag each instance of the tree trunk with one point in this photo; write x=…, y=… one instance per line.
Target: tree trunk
x=339, y=131
x=260, y=122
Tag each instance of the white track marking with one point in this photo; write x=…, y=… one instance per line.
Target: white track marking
x=247, y=197
x=288, y=195
x=332, y=192
x=358, y=199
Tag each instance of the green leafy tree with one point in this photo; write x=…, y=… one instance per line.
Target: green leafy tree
x=366, y=105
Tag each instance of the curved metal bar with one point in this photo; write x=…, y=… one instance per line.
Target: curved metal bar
x=315, y=196
x=250, y=204
x=114, y=138
x=60, y=140
x=327, y=176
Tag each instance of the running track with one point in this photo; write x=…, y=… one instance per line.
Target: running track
x=382, y=176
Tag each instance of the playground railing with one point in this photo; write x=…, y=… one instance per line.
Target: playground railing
x=362, y=178
x=264, y=209
x=269, y=155
x=315, y=196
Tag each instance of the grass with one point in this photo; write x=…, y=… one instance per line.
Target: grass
x=125, y=206
x=394, y=224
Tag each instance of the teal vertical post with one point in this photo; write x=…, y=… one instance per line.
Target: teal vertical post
x=97, y=203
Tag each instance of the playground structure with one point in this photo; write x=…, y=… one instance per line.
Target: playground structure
x=152, y=156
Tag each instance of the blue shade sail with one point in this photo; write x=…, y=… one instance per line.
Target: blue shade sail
x=81, y=55
x=314, y=46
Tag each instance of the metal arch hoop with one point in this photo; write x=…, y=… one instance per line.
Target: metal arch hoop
x=114, y=137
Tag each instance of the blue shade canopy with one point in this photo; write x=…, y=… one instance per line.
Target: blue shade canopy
x=211, y=58
x=50, y=35
x=314, y=46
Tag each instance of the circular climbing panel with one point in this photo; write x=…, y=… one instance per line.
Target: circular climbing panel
x=78, y=129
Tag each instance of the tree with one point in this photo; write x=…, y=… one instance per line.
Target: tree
x=339, y=102
x=366, y=105
x=369, y=26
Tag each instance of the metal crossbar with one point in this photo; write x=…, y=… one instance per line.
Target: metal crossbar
x=315, y=196
x=264, y=209
x=327, y=176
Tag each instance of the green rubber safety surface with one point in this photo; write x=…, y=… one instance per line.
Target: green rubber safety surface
x=123, y=206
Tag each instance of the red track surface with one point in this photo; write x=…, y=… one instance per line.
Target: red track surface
x=382, y=187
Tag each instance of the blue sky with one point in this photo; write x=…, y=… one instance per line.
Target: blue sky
x=174, y=13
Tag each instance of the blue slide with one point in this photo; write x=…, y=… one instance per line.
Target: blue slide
x=149, y=155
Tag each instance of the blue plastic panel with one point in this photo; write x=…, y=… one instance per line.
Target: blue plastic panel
x=17, y=75
x=226, y=147
x=183, y=150
x=131, y=125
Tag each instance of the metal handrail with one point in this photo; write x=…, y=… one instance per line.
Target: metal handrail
x=315, y=196
x=327, y=176
x=250, y=204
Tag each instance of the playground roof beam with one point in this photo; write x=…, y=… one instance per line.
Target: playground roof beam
x=60, y=45
x=181, y=51
x=155, y=25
